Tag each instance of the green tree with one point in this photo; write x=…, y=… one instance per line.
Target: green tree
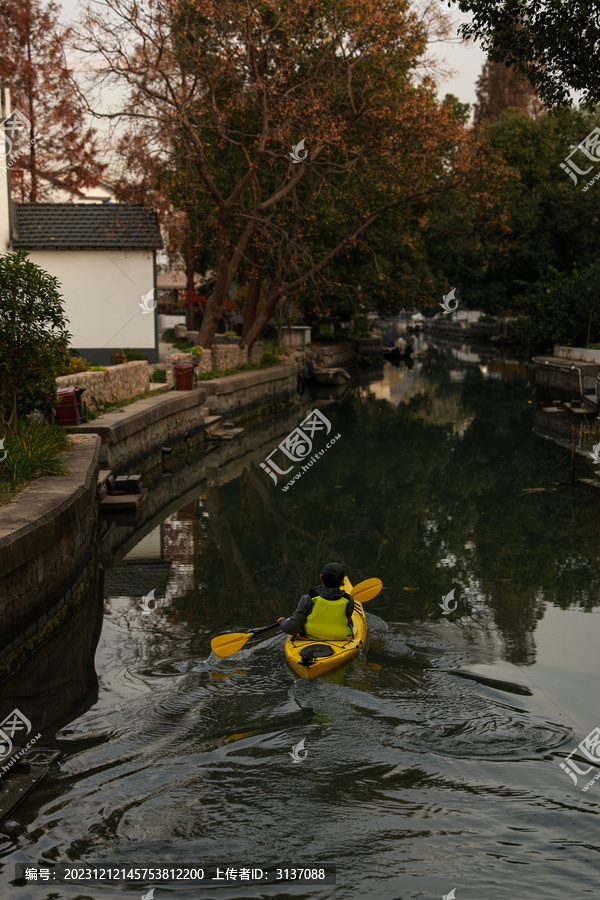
x=33, y=337
x=549, y=43
x=553, y=226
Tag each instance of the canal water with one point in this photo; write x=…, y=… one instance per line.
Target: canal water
x=430, y=765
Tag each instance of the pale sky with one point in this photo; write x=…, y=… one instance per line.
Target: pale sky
x=465, y=59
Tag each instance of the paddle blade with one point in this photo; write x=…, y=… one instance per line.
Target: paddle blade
x=228, y=644
x=366, y=590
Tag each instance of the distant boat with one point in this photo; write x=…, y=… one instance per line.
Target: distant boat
x=401, y=350
x=330, y=376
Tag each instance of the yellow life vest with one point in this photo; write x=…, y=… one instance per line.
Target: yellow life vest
x=327, y=621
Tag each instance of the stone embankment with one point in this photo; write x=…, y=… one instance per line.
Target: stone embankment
x=115, y=384
x=47, y=534
x=46, y=542
x=501, y=330
x=569, y=370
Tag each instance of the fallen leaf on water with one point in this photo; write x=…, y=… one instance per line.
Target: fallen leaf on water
x=412, y=589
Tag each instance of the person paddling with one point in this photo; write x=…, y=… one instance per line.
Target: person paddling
x=325, y=613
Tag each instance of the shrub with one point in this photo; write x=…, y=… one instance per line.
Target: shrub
x=168, y=336
x=33, y=337
x=158, y=376
x=268, y=359
x=97, y=369
x=32, y=453
x=76, y=364
x=120, y=357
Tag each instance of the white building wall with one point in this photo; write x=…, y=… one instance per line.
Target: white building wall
x=101, y=291
x=5, y=111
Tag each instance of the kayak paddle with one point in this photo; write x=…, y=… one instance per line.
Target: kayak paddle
x=228, y=644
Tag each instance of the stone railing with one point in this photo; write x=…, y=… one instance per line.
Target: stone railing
x=116, y=383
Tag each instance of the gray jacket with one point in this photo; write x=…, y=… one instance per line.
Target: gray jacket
x=297, y=620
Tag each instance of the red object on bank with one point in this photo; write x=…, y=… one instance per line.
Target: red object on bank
x=184, y=373
x=68, y=409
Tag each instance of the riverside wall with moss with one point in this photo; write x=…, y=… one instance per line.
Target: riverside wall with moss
x=47, y=545
x=115, y=384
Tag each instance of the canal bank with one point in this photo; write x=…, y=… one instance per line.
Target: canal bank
x=48, y=533
x=174, y=748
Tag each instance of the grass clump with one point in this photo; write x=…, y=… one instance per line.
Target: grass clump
x=33, y=453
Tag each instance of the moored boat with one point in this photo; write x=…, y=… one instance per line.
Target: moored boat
x=309, y=657
x=330, y=376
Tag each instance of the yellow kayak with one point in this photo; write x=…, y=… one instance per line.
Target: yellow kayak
x=309, y=657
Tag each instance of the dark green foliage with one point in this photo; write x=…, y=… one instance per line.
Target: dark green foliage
x=550, y=43
x=33, y=338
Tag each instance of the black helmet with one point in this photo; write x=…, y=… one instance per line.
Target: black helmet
x=332, y=575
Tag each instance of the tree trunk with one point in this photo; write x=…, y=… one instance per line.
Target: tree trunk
x=32, y=134
x=263, y=317
x=216, y=301
x=189, y=280
x=253, y=297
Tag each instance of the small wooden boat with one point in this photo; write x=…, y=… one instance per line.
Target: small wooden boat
x=330, y=376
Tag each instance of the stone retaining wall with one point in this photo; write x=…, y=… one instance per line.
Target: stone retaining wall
x=370, y=346
x=326, y=355
x=117, y=383
x=220, y=358
x=46, y=537
x=235, y=395
x=228, y=356
x=145, y=426
x=577, y=354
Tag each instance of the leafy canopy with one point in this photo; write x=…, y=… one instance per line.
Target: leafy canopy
x=33, y=337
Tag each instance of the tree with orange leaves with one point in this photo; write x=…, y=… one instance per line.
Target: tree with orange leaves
x=59, y=149
x=284, y=119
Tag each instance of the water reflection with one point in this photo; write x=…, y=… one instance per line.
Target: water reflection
x=418, y=777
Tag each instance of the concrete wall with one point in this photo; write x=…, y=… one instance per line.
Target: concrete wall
x=326, y=355
x=5, y=110
x=571, y=377
x=166, y=321
x=235, y=395
x=145, y=426
x=101, y=291
x=45, y=541
x=296, y=336
x=370, y=346
x=117, y=383
x=577, y=353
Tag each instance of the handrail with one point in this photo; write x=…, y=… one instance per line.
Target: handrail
x=565, y=369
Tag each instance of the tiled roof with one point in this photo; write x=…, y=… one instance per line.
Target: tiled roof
x=85, y=226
